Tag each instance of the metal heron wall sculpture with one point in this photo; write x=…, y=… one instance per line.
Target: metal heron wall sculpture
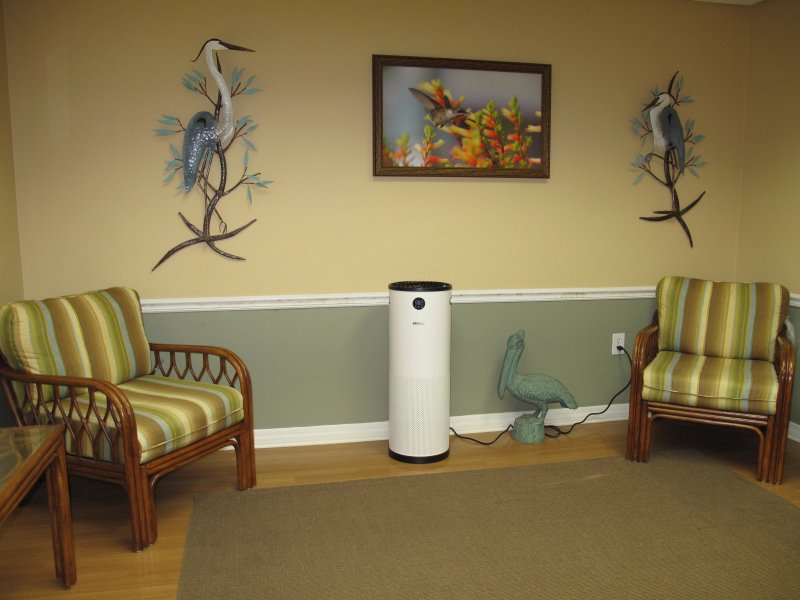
x=673, y=149
x=207, y=137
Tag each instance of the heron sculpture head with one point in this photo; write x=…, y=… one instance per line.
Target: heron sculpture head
x=514, y=348
x=217, y=44
x=665, y=98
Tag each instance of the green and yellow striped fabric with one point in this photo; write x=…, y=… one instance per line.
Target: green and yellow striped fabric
x=738, y=385
x=97, y=334
x=726, y=320
x=170, y=414
x=101, y=335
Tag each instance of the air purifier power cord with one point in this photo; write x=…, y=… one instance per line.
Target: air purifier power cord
x=464, y=437
x=559, y=432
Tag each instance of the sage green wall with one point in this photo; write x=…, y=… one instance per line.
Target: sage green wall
x=330, y=366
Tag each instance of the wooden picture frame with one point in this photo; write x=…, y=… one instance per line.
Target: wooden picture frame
x=440, y=117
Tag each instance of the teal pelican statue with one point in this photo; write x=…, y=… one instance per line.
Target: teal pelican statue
x=538, y=390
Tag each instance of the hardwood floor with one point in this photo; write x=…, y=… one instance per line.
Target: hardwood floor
x=107, y=568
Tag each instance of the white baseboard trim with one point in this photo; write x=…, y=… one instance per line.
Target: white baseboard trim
x=466, y=424
x=794, y=432
x=368, y=432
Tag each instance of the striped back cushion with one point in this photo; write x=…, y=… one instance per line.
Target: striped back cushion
x=96, y=334
x=726, y=320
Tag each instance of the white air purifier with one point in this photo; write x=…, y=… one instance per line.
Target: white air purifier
x=419, y=371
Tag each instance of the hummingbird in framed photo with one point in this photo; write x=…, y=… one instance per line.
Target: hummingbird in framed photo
x=440, y=114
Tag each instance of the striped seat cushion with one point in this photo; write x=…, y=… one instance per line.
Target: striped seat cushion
x=726, y=320
x=96, y=334
x=738, y=385
x=170, y=414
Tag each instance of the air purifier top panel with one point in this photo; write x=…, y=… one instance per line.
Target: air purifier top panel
x=420, y=286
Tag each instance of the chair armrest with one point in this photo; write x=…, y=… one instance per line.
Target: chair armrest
x=785, y=358
x=184, y=360
x=48, y=399
x=785, y=353
x=645, y=347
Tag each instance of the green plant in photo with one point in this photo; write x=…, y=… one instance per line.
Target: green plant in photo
x=485, y=139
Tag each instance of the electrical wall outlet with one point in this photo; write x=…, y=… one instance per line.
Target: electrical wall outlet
x=617, y=339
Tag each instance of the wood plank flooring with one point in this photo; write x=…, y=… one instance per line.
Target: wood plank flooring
x=107, y=568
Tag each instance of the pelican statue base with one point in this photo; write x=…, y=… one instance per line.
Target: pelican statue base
x=528, y=429
x=539, y=390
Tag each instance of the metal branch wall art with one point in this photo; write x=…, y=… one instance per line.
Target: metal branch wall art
x=673, y=150
x=207, y=138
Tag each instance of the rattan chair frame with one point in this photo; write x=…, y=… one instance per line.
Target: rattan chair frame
x=199, y=363
x=772, y=430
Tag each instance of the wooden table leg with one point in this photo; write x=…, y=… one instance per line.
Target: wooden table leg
x=61, y=518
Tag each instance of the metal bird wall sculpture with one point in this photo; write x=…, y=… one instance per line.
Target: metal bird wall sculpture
x=199, y=139
x=673, y=150
x=207, y=137
x=205, y=130
x=667, y=130
x=538, y=390
x=224, y=126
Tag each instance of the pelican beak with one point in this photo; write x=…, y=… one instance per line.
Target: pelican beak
x=235, y=47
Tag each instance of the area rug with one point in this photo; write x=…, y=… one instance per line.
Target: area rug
x=681, y=526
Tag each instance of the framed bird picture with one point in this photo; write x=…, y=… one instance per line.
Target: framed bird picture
x=445, y=117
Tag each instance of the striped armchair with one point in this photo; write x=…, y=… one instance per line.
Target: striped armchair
x=715, y=353
x=134, y=411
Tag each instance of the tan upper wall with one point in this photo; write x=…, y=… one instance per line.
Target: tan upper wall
x=771, y=183
x=10, y=264
x=89, y=78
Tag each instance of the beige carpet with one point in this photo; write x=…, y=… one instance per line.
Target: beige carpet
x=680, y=526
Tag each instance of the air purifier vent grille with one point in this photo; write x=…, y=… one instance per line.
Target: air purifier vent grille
x=417, y=406
x=420, y=286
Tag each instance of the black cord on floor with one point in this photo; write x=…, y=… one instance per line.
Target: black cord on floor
x=464, y=437
x=559, y=431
